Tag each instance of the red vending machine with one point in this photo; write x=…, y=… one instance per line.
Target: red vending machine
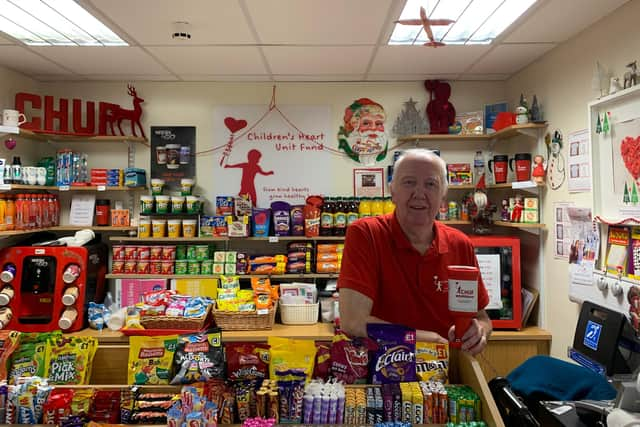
x=499, y=261
x=44, y=288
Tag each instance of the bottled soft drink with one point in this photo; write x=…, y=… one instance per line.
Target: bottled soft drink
x=364, y=207
x=478, y=166
x=326, y=217
x=10, y=214
x=339, y=219
x=352, y=211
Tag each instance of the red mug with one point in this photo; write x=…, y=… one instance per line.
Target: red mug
x=523, y=166
x=499, y=168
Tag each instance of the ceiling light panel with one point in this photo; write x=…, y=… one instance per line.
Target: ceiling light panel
x=54, y=22
x=54, y=19
x=475, y=15
x=506, y=13
x=21, y=18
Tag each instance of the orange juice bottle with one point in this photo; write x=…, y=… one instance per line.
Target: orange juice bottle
x=377, y=206
x=3, y=210
x=388, y=205
x=10, y=214
x=364, y=207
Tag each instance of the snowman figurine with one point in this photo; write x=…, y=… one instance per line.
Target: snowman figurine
x=522, y=115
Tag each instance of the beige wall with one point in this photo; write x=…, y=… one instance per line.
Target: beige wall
x=562, y=82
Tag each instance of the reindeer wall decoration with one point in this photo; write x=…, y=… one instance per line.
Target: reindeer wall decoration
x=118, y=114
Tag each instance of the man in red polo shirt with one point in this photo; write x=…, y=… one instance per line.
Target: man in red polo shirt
x=394, y=266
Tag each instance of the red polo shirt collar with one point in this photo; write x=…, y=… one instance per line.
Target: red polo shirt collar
x=401, y=241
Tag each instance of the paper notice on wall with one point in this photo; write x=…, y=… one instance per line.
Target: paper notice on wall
x=583, y=250
x=82, y=209
x=579, y=162
x=561, y=230
x=490, y=272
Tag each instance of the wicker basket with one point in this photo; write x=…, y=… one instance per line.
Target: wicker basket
x=176, y=322
x=244, y=321
x=299, y=314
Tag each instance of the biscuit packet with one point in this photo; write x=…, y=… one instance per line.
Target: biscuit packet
x=432, y=361
x=394, y=360
x=150, y=359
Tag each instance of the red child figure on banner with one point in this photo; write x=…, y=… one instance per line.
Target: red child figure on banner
x=538, y=172
x=440, y=111
x=249, y=171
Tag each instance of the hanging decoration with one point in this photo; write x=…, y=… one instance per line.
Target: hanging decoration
x=556, y=170
x=362, y=135
x=410, y=121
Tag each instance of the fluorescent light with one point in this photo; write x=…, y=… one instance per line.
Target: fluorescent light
x=54, y=22
x=477, y=21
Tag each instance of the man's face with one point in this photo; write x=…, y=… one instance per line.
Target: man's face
x=417, y=191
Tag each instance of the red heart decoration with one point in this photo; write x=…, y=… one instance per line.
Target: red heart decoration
x=234, y=125
x=630, y=151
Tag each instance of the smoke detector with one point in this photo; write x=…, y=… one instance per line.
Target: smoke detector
x=181, y=30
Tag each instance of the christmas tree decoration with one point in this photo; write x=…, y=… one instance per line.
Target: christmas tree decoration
x=605, y=124
x=598, y=125
x=634, y=194
x=625, y=197
x=536, y=115
x=410, y=121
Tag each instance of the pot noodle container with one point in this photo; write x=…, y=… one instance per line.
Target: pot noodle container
x=463, y=298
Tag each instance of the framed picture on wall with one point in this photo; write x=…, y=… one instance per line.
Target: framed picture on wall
x=368, y=182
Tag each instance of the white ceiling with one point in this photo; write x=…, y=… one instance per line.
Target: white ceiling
x=291, y=40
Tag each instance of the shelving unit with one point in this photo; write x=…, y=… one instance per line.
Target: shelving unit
x=270, y=239
x=216, y=276
x=529, y=129
x=98, y=188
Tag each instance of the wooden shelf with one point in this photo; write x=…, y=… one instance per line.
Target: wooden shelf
x=456, y=222
x=101, y=188
x=65, y=228
x=61, y=137
x=529, y=333
x=505, y=133
x=317, y=331
x=215, y=276
x=519, y=224
x=270, y=239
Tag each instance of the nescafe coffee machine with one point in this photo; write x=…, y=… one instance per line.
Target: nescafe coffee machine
x=44, y=288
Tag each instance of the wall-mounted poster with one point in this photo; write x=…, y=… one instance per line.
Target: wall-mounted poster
x=272, y=155
x=362, y=135
x=173, y=154
x=368, y=182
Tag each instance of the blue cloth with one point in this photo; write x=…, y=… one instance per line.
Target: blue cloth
x=547, y=378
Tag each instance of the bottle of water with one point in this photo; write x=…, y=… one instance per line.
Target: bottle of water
x=478, y=166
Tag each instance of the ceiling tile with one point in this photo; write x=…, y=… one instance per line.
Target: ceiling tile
x=324, y=22
x=410, y=77
x=483, y=77
x=318, y=59
x=209, y=60
x=225, y=77
x=23, y=60
x=510, y=58
x=427, y=60
x=150, y=22
x=103, y=60
x=550, y=23
x=317, y=78
x=133, y=77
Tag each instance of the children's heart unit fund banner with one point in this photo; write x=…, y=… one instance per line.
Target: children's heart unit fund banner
x=282, y=154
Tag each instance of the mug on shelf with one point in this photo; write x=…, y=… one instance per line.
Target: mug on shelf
x=13, y=118
x=498, y=166
x=523, y=166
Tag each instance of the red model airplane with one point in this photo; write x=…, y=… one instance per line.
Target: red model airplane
x=427, y=23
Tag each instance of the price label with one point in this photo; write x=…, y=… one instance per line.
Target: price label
x=273, y=239
x=102, y=188
x=63, y=188
x=5, y=186
x=262, y=311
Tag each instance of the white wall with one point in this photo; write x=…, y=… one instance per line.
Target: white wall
x=562, y=82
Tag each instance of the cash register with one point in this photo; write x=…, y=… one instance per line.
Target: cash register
x=605, y=343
